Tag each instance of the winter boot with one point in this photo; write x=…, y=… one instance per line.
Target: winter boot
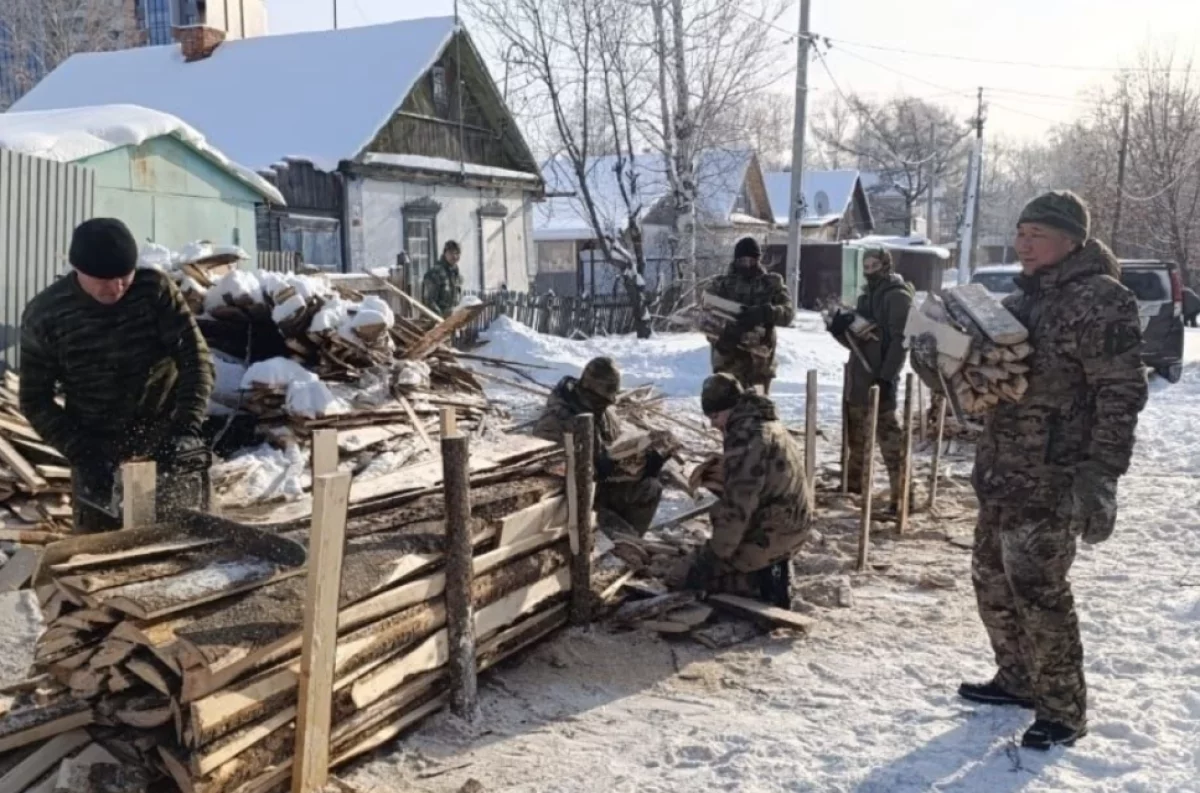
x=991, y=693
x=1045, y=734
x=775, y=584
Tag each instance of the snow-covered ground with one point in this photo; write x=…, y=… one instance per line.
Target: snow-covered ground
x=867, y=703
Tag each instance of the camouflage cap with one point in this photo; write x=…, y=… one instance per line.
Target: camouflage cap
x=602, y=378
x=1060, y=209
x=720, y=392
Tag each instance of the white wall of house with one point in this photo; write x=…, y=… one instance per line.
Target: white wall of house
x=495, y=251
x=239, y=19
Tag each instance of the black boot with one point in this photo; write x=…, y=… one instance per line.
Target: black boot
x=775, y=584
x=1045, y=734
x=991, y=693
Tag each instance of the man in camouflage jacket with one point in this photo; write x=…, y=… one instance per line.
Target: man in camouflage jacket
x=765, y=508
x=886, y=302
x=442, y=288
x=746, y=348
x=595, y=392
x=125, y=351
x=1046, y=468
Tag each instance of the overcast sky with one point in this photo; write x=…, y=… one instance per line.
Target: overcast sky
x=1092, y=36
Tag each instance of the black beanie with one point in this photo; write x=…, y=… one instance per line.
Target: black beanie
x=103, y=248
x=747, y=247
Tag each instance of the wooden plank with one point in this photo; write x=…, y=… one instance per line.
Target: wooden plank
x=49, y=452
x=950, y=341
x=149, y=600
x=138, y=484
x=459, y=318
x=82, y=560
x=417, y=424
x=18, y=570
x=352, y=441
x=47, y=723
x=579, y=505
x=29, y=537
x=19, y=429
x=324, y=452
x=992, y=318
x=331, y=500
x=868, y=485
x=35, y=765
x=907, y=465
x=937, y=454
x=464, y=690
x=845, y=466
x=542, y=517
x=21, y=467
x=49, y=472
x=412, y=301
x=774, y=616
x=74, y=772
x=810, y=431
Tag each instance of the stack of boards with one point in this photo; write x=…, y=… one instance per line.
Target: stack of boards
x=172, y=661
x=35, y=481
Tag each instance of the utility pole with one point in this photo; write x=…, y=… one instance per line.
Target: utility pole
x=930, y=205
x=1116, y=231
x=797, y=209
x=335, y=19
x=970, y=228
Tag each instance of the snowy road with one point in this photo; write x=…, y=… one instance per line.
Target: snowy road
x=867, y=704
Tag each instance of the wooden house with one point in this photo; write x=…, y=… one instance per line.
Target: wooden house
x=835, y=203
x=383, y=140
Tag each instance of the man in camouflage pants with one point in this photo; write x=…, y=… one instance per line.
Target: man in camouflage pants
x=885, y=302
x=1046, y=468
x=765, y=507
x=442, y=288
x=746, y=348
x=124, y=350
x=595, y=392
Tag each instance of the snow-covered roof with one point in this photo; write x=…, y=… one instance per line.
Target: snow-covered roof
x=321, y=96
x=720, y=177
x=911, y=243
x=76, y=133
x=827, y=195
x=418, y=162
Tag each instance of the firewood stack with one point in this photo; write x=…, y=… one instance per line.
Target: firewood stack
x=170, y=658
x=969, y=347
x=35, y=481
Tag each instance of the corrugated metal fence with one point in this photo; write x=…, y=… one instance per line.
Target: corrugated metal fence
x=41, y=203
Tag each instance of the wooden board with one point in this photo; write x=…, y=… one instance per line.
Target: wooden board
x=459, y=318
x=163, y=596
x=74, y=771
x=21, y=467
x=35, y=765
x=992, y=318
x=746, y=607
x=356, y=440
x=19, y=429
x=83, y=560
x=18, y=570
x=49, y=452
x=950, y=341
x=543, y=517
x=27, y=727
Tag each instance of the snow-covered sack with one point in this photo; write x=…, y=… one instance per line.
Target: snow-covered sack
x=313, y=400
x=276, y=373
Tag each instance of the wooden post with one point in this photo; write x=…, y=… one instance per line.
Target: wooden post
x=922, y=414
x=331, y=498
x=937, y=454
x=907, y=466
x=864, y=534
x=138, y=495
x=579, y=446
x=845, y=429
x=460, y=616
x=810, y=430
x=324, y=452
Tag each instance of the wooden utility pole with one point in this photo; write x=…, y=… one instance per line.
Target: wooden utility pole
x=970, y=230
x=460, y=614
x=864, y=532
x=579, y=447
x=1116, y=231
x=906, y=469
x=796, y=213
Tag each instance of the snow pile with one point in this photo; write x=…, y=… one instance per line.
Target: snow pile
x=276, y=374
x=238, y=288
x=155, y=257
x=265, y=474
x=313, y=400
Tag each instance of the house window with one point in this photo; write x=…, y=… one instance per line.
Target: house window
x=317, y=240
x=441, y=96
x=420, y=243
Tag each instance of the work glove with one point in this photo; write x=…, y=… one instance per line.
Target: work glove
x=1093, y=503
x=755, y=317
x=94, y=478
x=175, y=447
x=841, y=322
x=887, y=390
x=604, y=466
x=655, y=460
x=703, y=569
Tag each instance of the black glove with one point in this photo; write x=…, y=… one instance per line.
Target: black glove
x=841, y=323
x=887, y=390
x=1093, y=503
x=604, y=466
x=175, y=447
x=755, y=317
x=655, y=460
x=94, y=477
x=703, y=570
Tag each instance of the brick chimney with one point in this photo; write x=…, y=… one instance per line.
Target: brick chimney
x=197, y=41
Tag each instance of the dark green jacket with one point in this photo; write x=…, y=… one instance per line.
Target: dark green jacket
x=442, y=288
x=130, y=374
x=885, y=302
x=749, y=353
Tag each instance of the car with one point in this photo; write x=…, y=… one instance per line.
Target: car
x=1158, y=287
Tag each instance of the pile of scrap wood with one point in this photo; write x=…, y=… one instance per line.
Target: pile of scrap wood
x=171, y=653
x=716, y=314
x=969, y=347
x=35, y=481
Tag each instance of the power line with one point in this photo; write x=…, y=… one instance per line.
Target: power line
x=996, y=104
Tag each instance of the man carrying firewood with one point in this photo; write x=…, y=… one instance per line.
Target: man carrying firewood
x=124, y=350
x=746, y=346
x=631, y=497
x=1046, y=467
x=877, y=357
x=442, y=287
x=764, y=511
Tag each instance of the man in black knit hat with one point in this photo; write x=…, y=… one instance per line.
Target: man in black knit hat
x=124, y=351
x=746, y=348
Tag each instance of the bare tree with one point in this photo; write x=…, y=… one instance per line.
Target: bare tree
x=41, y=34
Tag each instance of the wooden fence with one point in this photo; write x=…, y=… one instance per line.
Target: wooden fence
x=569, y=317
x=280, y=261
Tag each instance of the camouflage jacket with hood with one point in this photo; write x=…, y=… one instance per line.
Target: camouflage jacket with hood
x=764, y=513
x=1086, y=384
x=749, y=354
x=563, y=405
x=885, y=302
x=442, y=287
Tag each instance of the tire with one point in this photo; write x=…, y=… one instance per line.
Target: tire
x=1170, y=372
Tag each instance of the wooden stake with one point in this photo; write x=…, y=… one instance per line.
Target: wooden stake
x=460, y=618
x=580, y=459
x=331, y=499
x=937, y=455
x=906, y=467
x=922, y=415
x=845, y=429
x=448, y=426
x=864, y=534
x=810, y=430
x=324, y=452
x=138, y=484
